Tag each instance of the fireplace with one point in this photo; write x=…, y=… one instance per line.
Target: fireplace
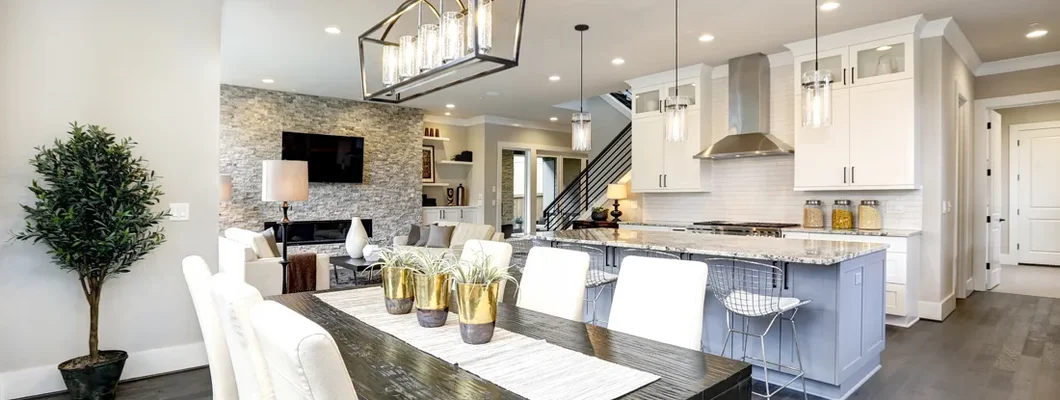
x=317, y=232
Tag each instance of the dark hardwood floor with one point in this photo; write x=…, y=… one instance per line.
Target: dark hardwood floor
x=995, y=346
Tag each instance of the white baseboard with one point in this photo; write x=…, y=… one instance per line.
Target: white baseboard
x=46, y=379
x=900, y=321
x=938, y=311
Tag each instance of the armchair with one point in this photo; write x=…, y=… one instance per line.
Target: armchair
x=246, y=255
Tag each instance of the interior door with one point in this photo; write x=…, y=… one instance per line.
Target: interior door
x=882, y=132
x=680, y=170
x=822, y=155
x=993, y=245
x=648, y=153
x=1039, y=194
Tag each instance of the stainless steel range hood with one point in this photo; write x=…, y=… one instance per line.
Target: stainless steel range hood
x=748, y=113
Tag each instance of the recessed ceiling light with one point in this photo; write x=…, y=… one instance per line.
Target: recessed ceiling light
x=829, y=6
x=618, y=61
x=267, y=80
x=448, y=113
x=553, y=78
x=334, y=30
x=706, y=37
x=883, y=48
x=517, y=125
x=553, y=119
x=1037, y=31
x=450, y=106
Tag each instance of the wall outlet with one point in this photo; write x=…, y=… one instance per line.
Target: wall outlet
x=633, y=204
x=179, y=211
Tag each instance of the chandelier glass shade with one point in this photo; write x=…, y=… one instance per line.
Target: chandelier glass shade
x=581, y=131
x=677, y=118
x=429, y=45
x=816, y=99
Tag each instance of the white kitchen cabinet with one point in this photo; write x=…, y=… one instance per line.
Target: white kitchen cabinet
x=833, y=61
x=660, y=166
x=450, y=215
x=822, y=155
x=883, y=135
x=882, y=60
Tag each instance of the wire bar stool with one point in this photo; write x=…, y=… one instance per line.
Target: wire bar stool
x=601, y=276
x=753, y=290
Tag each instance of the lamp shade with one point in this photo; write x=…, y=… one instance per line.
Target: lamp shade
x=226, y=187
x=617, y=191
x=284, y=180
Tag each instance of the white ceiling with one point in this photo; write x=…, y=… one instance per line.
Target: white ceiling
x=285, y=40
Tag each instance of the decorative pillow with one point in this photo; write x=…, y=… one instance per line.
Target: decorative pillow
x=425, y=234
x=270, y=238
x=440, y=236
x=414, y=235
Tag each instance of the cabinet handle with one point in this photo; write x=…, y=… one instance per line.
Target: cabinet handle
x=851, y=75
x=844, y=76
x=851, y=174
x=461, y=214
x=664, y=180
x=660, y=180
x=844, y=174
x=443, y=214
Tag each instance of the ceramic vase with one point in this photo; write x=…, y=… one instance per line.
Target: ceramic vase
x=477, y=311
x=432, y=299
x=398, y=290
x=356, y=239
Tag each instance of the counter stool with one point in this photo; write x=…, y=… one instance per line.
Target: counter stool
x=753, y=290
x=601, y=276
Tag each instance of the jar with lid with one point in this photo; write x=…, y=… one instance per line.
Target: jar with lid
x=813, y=215
x=869, y=215
x=842, y=215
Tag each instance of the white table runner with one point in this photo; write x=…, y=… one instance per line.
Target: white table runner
x=531, y=368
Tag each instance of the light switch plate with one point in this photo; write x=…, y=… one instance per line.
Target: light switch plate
x=633, y=204
x=857, y=278
x=179, y=211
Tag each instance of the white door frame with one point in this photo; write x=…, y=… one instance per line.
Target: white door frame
x=1014, y=182
x=981, y=153
x=531, y=150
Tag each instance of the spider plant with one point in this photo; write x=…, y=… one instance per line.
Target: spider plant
x=426, y=263
x=478, y=271
x=396, y=258
x=396, y=268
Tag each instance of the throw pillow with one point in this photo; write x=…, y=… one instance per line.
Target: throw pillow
x=270, y=239
x=414, y=235
x=440, y=236
x=425, y=234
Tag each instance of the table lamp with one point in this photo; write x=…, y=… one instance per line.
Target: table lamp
x=285, y=181
x=616, y=192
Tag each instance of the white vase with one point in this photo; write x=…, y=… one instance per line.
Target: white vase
x=356, y=239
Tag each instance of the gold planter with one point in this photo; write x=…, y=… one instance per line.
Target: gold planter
x=397, y=289
x=478, y=311
x=432, y=299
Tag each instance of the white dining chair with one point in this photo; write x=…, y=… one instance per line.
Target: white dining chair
x=553, y=282
x=499, y=255
x=234, y=299
x=304, y=361
x=661, y=300
x=222, y=378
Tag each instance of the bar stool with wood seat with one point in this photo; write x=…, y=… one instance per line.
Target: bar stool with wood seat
x=753, y=290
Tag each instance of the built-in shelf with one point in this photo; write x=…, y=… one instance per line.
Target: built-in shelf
x=438, y=184
x=436, y=139
x=449, y=162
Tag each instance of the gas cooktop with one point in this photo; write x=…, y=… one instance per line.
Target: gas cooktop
x=747, y=224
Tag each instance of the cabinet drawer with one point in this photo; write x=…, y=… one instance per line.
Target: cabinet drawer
x=897, y=244
x=896, y=267
x=894, y=299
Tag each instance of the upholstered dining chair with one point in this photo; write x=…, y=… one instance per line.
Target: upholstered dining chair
x=234, y=299
x=553, y=282
x=661, y=300
x=499, y=254
x=222, y=378
x=304, y=361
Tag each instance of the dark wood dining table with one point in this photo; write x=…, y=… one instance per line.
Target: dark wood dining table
x=384, y=367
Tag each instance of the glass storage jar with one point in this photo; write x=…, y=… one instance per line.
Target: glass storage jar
x=813, y=215
x=869, y=217
x=842, y=215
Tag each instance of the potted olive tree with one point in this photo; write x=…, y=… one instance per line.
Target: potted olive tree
x=93, y=210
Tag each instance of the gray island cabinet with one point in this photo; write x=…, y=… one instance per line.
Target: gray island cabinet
x=841, y=331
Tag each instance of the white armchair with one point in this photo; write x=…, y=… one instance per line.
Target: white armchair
x=245, y=255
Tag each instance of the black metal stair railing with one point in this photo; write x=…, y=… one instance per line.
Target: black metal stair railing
x=614, y=161
x=625, y=97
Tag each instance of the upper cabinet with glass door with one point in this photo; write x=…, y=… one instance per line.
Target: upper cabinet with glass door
x=686, y=88
x=882, y=60
x=647, y=101
x=834, y=61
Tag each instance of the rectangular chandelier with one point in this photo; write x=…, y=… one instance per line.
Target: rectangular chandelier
x=424, y=47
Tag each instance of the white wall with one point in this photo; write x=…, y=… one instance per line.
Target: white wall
x=607, y=123
x=145, y=69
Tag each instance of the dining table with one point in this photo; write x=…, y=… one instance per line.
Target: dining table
x=382, y=366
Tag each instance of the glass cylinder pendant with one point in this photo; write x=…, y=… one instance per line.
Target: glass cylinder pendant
x=677, y=118
x=816, y=99
x=427, y=47
x=581, y=131
x=391, y=64
x=407, y=55
x=482, y=10
x=452, y=36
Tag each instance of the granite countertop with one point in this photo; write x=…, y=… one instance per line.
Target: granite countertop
x=821, y=252
x=882, y=232
x=661, y=224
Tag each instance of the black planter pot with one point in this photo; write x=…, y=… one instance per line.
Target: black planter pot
x=599, y=216
x=94, y=382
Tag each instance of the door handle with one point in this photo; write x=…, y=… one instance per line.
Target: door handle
x=844, y=174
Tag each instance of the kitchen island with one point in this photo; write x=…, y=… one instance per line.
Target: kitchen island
x=841, y=331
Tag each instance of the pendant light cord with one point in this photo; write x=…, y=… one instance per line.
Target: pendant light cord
x=581, y=73
x=675, y=47
x=816, y=15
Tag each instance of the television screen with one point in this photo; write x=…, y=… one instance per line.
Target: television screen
x=331, y=158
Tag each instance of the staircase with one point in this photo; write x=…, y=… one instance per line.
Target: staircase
x=590, y=186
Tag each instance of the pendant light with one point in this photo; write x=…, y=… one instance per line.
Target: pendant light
x=676, y=105
x=480, y=16
x=452, y=40
x=581, y=122
x=427, y=44
x=816, y=89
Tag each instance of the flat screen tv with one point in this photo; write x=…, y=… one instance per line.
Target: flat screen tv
x=331, y=158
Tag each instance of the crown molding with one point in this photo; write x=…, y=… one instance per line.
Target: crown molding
x=489, y=119
x=952, y=33
x=902, y=26
x=1019, y=64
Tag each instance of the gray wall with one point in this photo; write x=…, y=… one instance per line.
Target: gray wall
x=491, y=135
x=1018, y=82
x=251, y=124
x=607, y=123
